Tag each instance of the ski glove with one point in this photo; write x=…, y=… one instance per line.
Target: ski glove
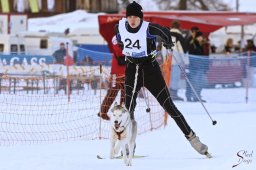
x=121, y=60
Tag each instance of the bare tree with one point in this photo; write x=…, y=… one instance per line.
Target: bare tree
x=213, y=5
x=183, y=4
x=123, y=4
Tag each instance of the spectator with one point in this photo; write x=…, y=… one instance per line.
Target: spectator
x=251, y=50
x=206, y=46
x=87, y=61
x=198, y=65
x=116, y=80
x=190, y=38
x=60, y=54
x=250, y=46
x=237, y=47
x=229, y=46
x=213, y=48
x=179, y=49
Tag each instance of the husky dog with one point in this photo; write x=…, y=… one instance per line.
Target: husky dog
x=123, y=133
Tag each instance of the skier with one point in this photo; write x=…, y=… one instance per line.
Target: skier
x=137, y=39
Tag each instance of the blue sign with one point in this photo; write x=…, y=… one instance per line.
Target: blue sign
x=25, y=59
x=94, y=57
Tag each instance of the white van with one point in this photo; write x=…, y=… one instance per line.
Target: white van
x=12, y=44
x=33, y=43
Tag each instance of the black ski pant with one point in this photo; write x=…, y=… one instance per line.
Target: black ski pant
x=150, y=76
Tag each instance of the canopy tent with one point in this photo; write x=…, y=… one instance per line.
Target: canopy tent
x=223, y=18
x=207, y=22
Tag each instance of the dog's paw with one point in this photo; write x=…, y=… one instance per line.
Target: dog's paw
x=112, y=154
x=125, y=160
x=111, y=157
x=128, y=162
x=116, y=151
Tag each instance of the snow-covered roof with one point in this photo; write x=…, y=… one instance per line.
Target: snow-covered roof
x=79, y=19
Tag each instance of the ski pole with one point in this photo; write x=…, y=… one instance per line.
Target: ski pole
x=214, y=122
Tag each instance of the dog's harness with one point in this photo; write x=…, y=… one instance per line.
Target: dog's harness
x=119, y=134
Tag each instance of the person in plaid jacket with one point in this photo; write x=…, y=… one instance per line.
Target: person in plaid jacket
x=116, y=80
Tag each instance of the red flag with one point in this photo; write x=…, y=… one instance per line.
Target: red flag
x=68, y=59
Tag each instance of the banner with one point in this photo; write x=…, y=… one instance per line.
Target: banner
x=25, y=59
x=34, y=6
x=5, y=6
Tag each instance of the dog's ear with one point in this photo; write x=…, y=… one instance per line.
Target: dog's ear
x=112, y=110
x=123, y=106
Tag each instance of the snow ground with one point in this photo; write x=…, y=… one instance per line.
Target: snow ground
x=165, y=149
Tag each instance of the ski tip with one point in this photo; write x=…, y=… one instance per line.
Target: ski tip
x=99, y=157
x=139, y=156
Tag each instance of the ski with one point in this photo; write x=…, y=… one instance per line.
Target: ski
x=100, y=157
x=207, y=154
x=121, y=157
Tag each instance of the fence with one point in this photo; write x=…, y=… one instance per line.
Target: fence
x=35, y=108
